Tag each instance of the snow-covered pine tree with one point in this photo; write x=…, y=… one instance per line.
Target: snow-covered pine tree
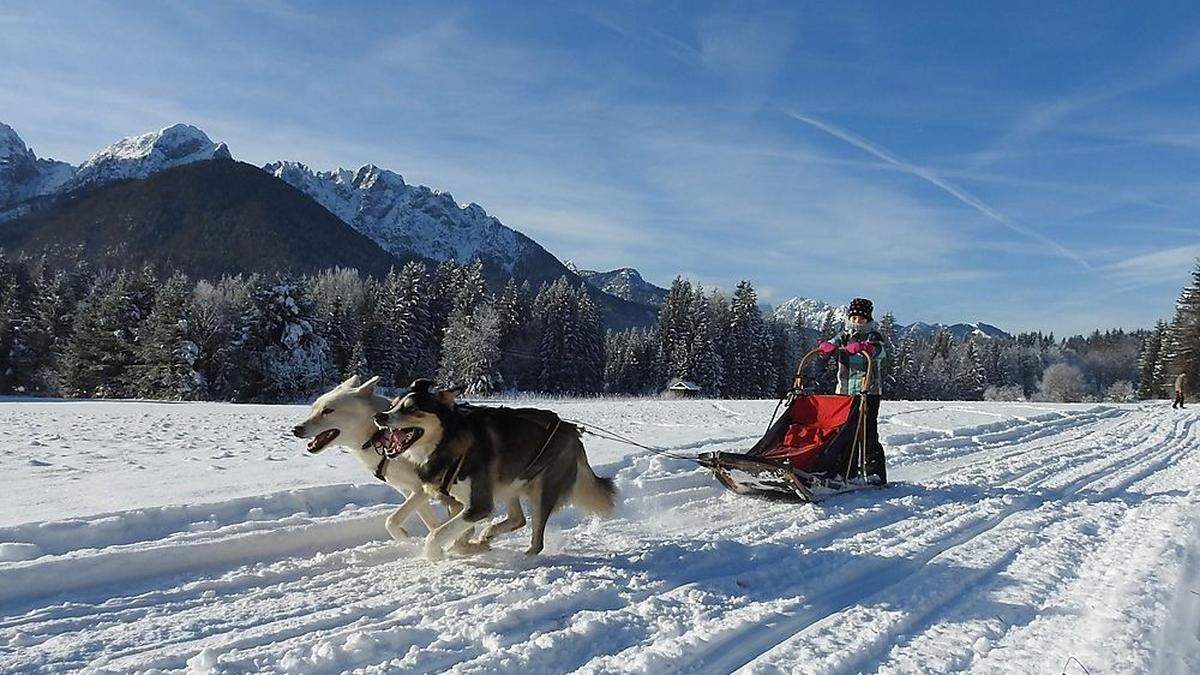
x=1149, y=386
x=444, y=284
x=617, y=364
x=13, y=310
x=587, y=346
x=554, y=311
x=215, y=316
x=418, y=340
x=649, y=362
x=280, y=355
x=745, y=360
x=45, y=329
x=969, y=380
x=887, y=330
x=339, y=311
x=358, y=363
x=470, y=289
x=703, y=357
x=1183, y=335
x=101, y=349
x=166, y=353
x=517, y=339
x=381, y=333
x=675, y=324
x=471, y=350
x=908, y=375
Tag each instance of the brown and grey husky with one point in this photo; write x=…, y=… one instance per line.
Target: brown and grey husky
x=481, y=455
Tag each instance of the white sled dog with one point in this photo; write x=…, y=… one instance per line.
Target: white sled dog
x=346, y=416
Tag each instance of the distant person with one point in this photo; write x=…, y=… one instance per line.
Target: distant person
x=860, y=336
x=1180, y=383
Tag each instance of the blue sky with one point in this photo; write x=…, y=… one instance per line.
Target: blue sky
x=1032, y=165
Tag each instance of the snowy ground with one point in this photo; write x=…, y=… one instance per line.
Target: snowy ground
x=154, y=536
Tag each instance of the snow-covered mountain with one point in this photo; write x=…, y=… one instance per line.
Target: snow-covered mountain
x=23, y=176
x=624, y=282
x=405, y=219
x=959, y=331
x=147, y=154
x=814, y=311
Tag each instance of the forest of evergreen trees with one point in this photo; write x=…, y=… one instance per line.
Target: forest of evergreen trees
x=78, y=332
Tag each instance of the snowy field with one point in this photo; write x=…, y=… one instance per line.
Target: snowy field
x=165, y=537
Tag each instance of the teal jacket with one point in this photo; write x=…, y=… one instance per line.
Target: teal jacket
x=852, y=369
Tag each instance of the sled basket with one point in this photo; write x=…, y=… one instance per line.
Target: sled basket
x=817, y=447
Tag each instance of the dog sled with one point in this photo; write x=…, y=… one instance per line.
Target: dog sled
x=815, y=449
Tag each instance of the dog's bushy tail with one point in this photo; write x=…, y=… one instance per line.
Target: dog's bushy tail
x=593, y=493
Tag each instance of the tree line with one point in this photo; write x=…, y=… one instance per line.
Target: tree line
x=1173, y=347
x=71, y=330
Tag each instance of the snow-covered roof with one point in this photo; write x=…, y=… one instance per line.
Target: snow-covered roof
x=683, y=385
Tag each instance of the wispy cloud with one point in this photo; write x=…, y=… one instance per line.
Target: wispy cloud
x=947, y=187
x=1167, y=265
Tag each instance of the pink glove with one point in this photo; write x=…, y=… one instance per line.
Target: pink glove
x=827, y=347
x=854, y=347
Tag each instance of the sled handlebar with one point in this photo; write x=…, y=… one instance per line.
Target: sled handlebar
x=798, y=378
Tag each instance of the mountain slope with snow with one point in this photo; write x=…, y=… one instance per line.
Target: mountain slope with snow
x=959, y=331
x=406, y=218
x=815, y=311
x=141, y=537
x=414, y=220
x=812, y=311
x=23, y=176
x=624, y=282
x=147, y=154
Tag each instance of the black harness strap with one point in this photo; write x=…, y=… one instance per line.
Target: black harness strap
x=381, y=469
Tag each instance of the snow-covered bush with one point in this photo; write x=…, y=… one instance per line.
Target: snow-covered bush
x=1062, y=383
x=1012, y=392
x=1121, y=391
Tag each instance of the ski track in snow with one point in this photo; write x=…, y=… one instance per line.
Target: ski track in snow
x=1016, y=536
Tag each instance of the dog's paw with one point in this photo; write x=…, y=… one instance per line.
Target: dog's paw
x=398, y=533
x=433, y=552
x=470, y=547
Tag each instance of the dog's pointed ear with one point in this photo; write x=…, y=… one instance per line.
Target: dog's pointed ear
x=367, y=388
x=351, y=382
x=421, y=386
x=447, y=396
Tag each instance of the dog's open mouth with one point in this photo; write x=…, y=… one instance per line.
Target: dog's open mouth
x=392, y=442
x=318, y=442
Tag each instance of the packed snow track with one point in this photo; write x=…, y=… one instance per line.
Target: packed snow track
x=199, y=537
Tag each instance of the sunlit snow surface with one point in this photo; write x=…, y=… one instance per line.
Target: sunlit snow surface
x=157, y=536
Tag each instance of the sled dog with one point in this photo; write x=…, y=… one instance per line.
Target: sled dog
x=346, y=416
x=481, y=455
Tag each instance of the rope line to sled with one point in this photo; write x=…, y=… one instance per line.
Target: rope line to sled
x=610, y=435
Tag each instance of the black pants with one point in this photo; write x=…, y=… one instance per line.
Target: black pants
x=1178, y=400
x=876, y=465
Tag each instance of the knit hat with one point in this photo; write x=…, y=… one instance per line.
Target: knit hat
x=861, y=307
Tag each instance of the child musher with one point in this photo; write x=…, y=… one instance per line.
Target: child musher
x=860, y=336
